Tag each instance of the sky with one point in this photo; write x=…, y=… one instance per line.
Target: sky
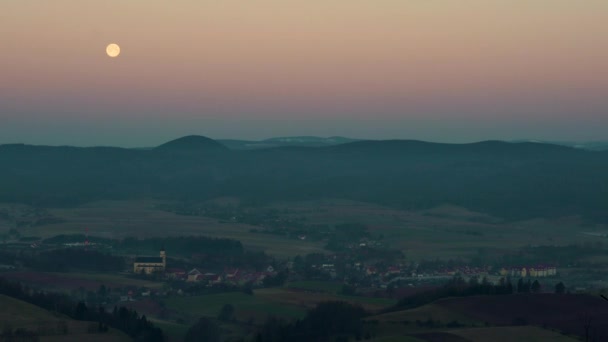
x=436, y=70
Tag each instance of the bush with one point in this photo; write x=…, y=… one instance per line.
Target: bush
x=204, y=330
x=226, y=313
x=519, y=321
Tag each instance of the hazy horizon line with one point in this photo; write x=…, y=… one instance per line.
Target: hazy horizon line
x=355, y=139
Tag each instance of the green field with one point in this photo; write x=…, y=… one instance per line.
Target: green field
x=442, y=232
x=433, y=311
x=309, y=300
x=72, y=281
x=19, y=314
x=316, y=286
x=246, y=306
x=290, y=304
x=174, y=331
x=397, y=339
x=401, y=323
x=509, y=334
x=264, y=302
x=118, y=219
x=395, y=326
x=111, y=278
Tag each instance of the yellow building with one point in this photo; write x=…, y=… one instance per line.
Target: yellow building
x=524, y=272
x=149, y=264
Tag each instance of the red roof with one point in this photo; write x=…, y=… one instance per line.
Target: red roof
x=232, y=272
x=176, y=270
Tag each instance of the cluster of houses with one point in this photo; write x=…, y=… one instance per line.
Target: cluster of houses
x=337, y=266
x=364, y=243
x=467, y=271
x=538, y=271
x=229, y=276
x=158, y=265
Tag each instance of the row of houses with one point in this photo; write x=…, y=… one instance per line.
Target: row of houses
x=469, y=271
x=538, y=271
x=230, y=276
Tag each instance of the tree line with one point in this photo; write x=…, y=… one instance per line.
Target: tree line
x=458, y=287
x=178, y=245
x=70, y=259
x=123, y=319
x=334, y=319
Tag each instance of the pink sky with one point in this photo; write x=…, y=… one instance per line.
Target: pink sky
x=414, y=62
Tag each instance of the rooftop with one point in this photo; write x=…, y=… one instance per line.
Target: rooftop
x=157, y=260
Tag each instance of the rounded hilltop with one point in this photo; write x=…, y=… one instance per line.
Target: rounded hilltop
x=192, y=143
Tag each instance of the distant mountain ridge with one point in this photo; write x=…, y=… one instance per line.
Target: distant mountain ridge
x=585, y=145
x=310, y=141
x=509, y=180
x=192, y=143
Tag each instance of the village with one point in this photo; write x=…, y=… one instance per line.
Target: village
x=361, y=266
x=361, y=278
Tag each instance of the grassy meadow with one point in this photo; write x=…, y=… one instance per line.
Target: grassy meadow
x=410, y=324
x=281, y=302
x=119, y=219
x=63, y=282
x=509, y=334
x=19, y=314
x=442, y=232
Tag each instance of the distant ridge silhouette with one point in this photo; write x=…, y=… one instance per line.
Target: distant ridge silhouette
x=508, y=180
x=192, y=143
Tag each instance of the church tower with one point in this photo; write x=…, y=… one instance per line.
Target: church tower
x=163, y=256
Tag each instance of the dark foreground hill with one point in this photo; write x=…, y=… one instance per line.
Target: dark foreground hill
x=573, y=314
x=39, y=324
x=511, y=180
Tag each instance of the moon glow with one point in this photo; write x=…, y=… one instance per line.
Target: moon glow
x=113, y=50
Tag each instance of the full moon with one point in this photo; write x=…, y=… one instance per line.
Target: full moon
x=113, y=50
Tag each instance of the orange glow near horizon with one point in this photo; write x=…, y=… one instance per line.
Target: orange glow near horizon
x=278, y=59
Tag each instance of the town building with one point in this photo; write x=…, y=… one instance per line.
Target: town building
x=538, y=271
x=150, y=264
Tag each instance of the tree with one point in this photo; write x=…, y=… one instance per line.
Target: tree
x=509, y=287
x=102, y=292
x=62, y=327
x=348, y=290
x=560, y=288
x=81, y=312
x=278, y=280
x=248, y=288
x=335, y=317
x=204, y=330
x=586, y=319
x=226, y=313
x=535, y=287
x=390, y=289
